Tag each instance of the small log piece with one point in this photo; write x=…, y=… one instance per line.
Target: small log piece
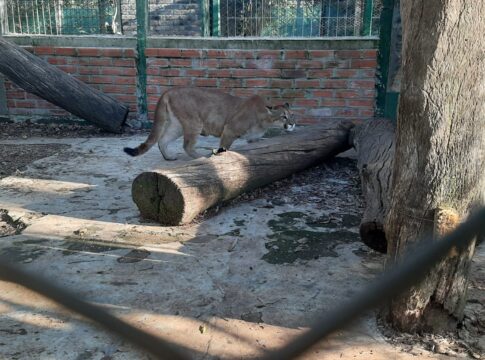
x=176, y=196
x=40, y=78
x=374, y=141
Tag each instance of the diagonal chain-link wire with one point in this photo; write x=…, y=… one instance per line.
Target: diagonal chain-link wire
x=410, y=271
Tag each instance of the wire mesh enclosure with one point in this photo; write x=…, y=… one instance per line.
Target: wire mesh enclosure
x=61, y=17
x=292, y=18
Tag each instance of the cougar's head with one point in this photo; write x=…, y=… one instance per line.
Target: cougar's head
x=282, y=114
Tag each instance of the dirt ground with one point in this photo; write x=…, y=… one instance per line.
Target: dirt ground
x=333, y=185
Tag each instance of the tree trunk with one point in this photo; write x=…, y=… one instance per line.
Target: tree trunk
x=374, y=142
x=38, y=77
x=176, y=196
x=439, y=165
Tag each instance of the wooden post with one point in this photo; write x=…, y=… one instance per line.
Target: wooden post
x=176, y=196
x=142, y=27
x=38, y=77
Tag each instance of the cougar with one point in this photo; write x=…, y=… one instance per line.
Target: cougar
x=193, y=111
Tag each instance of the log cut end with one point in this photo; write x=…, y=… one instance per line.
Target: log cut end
x=158, y=198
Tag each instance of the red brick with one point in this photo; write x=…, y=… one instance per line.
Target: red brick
x=320, y=74
x=348, y=54
x=191, y=53
x=68, y=68
x=205, y=63
x=366, y=113
x=369, y=54
x=362, y=84
x=111, y=71
x=228, y=63
x=367, y=73
x=151, y=52
x=365, y=63
x=44, y=50
x=281, y=83
x=181, y=81
x=305, y=102
x=88, y=52
x=259, y=64
x=169, y=72
x=205, y=82
x=170, y=53
x=269, y=54
x=153, y=89
x=257, y=82
x=115, y=89
x=100, y=62
x=196, y=72
x=321, y=54
x=220, y=73
x=157, y=80
x=129, y=72
x=15, y=94
x=346, y=112
x=124, y=80
x=309, y=64
x=347, y=94
x=345, y=73
x=332, y=102
x=123, y=62
x=296, y=54
x=295, y=93
x=361, y=103
x=243, y=92
x=367, y=93
x=335, y=84
x=101, y=79
x=158, y=62
x=243, y=54
x=293, y=74
x=57, y=60
x=153, y=71
x=129, y=53
x=230, y=83
x=307, y=83
x=255, y=73
x=112, y=52
x=271, y=93
x=25, y=104
x=342, y=64
x=322, y=93
x=66, y=51
x=181, y=62
x=285, y=64
x=127, y=98
x=217, y=54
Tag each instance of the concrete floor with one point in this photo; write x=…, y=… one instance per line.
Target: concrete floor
x=219, y=287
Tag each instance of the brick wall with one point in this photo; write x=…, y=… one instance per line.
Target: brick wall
x=318, y=84
x=111, y=70
x=321, y=79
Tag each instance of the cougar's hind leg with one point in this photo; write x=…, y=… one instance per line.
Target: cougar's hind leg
x=190, y=139
x=173, y=130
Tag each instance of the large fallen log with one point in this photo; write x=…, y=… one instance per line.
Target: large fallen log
x=176, y=196
x=38, y=77
x=374, y=142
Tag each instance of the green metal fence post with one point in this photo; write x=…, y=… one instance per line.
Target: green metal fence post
x=384, y=55
x=367, y=19
x=216, y=22
x=141, y=61
x=205, y=16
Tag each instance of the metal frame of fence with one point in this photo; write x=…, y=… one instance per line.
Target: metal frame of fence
x=410, y=271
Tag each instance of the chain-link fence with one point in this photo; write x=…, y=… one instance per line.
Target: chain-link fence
x=292, y=18
x=224, y=18
x=61, y=17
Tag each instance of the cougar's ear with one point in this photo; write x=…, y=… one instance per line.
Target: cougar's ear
x=287, y=106
x=269, y=109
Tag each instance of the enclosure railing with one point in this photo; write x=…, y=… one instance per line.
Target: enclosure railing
x=217, y=18
x=413, y=268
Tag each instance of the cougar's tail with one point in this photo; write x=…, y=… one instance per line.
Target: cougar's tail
x=156, y=132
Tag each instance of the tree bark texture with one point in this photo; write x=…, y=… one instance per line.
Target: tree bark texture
x=38, y=77
x=176, y=196
x=439, y=166
x=374, y=142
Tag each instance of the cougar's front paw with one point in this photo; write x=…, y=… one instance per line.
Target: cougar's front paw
x=218, y=151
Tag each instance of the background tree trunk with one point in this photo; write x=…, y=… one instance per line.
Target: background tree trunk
x=440, y=156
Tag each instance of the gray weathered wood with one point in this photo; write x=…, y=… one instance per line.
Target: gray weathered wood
x=374, y=142
x=439, y=165
x=176, y=196
x=38, y=77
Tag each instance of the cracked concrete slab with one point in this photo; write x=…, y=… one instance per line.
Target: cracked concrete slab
x=247, y=279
